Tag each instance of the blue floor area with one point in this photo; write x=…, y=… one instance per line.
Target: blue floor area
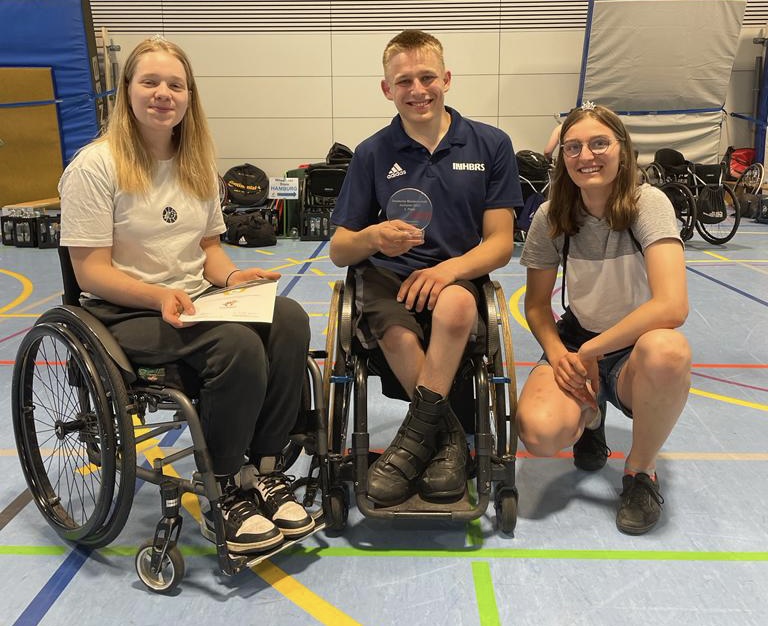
x=705, y=563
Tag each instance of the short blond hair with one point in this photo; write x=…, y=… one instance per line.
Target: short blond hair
x=410, y=40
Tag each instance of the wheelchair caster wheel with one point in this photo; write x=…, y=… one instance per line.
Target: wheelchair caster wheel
x=338, y=504
x=506, y=510
x=171, y=569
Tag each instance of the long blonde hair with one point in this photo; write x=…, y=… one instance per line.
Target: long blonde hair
x=195, y=157
x=565, y=196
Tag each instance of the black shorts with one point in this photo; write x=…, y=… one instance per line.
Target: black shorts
x=376, y=298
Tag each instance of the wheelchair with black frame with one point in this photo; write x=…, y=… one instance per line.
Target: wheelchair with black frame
x=484, y=397
x=81, y=411
x=706, y=203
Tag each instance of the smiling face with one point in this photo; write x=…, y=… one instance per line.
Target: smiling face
x=159, y=94
x=592, y=173
x=416, y=81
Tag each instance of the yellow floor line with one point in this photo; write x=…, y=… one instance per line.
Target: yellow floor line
x=714, y=456
x=514, y=308
x=729, y=400
x=302, y=597
x=26, y=290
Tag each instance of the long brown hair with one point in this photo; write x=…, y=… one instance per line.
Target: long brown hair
x=195, y=158
x=565, y=196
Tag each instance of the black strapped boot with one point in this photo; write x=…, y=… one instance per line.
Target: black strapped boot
x=392, y=478
x=446, y=476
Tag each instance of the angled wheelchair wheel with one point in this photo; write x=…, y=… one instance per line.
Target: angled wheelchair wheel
x=336, y=395
x=685, y=207
x=503, y=391
x=64, y=437
x=117, y=412
x=750, y=181
x=654, y=175
x=724, y=230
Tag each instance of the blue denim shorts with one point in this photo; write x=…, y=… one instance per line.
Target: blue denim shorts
x=610, y=368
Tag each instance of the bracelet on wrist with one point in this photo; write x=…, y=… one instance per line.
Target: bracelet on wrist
x=226, y=282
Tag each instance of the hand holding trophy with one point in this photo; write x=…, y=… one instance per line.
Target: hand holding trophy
x=412, y=210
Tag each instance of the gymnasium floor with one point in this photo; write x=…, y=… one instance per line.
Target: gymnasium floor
x=705, y=563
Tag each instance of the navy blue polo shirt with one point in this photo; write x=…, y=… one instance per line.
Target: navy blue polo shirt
x=471, y=170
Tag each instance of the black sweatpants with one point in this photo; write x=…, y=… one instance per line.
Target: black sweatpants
x=251, y=374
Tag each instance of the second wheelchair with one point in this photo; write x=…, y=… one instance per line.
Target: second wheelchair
x=484, y=395
x=699, y=194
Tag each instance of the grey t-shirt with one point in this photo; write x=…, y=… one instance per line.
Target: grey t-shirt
x=606, y=278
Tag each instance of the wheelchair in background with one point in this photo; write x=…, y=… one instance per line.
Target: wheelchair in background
x=81, y=411
x=484, y=397
x=748, y=190
x=706, y=203
x=534, y=171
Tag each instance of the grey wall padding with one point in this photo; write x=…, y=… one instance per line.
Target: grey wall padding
x=672, y=58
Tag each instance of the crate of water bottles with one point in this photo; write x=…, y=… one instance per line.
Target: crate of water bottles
x=31, y=224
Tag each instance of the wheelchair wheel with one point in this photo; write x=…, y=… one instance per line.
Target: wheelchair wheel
x=750, y=181
x=685, y=207
x=506, y=509
x=338, y=507
x=504, y=406
x=724, y=230
x=654, y=175
x=122, y=426
x=171, y=571
x=336, y=395
x=64, y=437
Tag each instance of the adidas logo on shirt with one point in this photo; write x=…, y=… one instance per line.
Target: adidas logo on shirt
x=395, y=172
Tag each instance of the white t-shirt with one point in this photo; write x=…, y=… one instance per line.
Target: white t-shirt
x=155, y=237
x=605, y=276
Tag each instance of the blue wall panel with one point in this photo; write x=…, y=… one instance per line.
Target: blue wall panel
x=56, y=33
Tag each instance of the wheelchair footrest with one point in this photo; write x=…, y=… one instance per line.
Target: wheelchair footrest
x=419, y=506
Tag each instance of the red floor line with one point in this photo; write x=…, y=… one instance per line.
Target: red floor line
x=731, y=365
x=16, y=334
x=729, y=382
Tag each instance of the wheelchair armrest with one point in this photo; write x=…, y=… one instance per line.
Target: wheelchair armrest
x=102, y=335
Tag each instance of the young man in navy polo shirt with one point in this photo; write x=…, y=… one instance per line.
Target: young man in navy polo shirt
x=417, y=286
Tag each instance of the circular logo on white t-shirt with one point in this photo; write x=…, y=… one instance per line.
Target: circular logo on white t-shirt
x=170, y=215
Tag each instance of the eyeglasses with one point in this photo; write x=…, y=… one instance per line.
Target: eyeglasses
x=596, y=145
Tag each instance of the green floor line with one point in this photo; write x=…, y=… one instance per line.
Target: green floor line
x=486, y=598
x=474, y=529
x=521, y=553
x=36, y=550
x=474, y=534
x=471, y=553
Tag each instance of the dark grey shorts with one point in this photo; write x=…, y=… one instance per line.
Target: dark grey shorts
x=376, y=298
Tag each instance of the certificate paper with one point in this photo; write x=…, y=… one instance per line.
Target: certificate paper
x=253, y=301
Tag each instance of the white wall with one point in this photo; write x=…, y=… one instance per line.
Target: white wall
x=280, y=100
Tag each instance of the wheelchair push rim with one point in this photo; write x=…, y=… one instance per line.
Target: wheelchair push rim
x=66, y=445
